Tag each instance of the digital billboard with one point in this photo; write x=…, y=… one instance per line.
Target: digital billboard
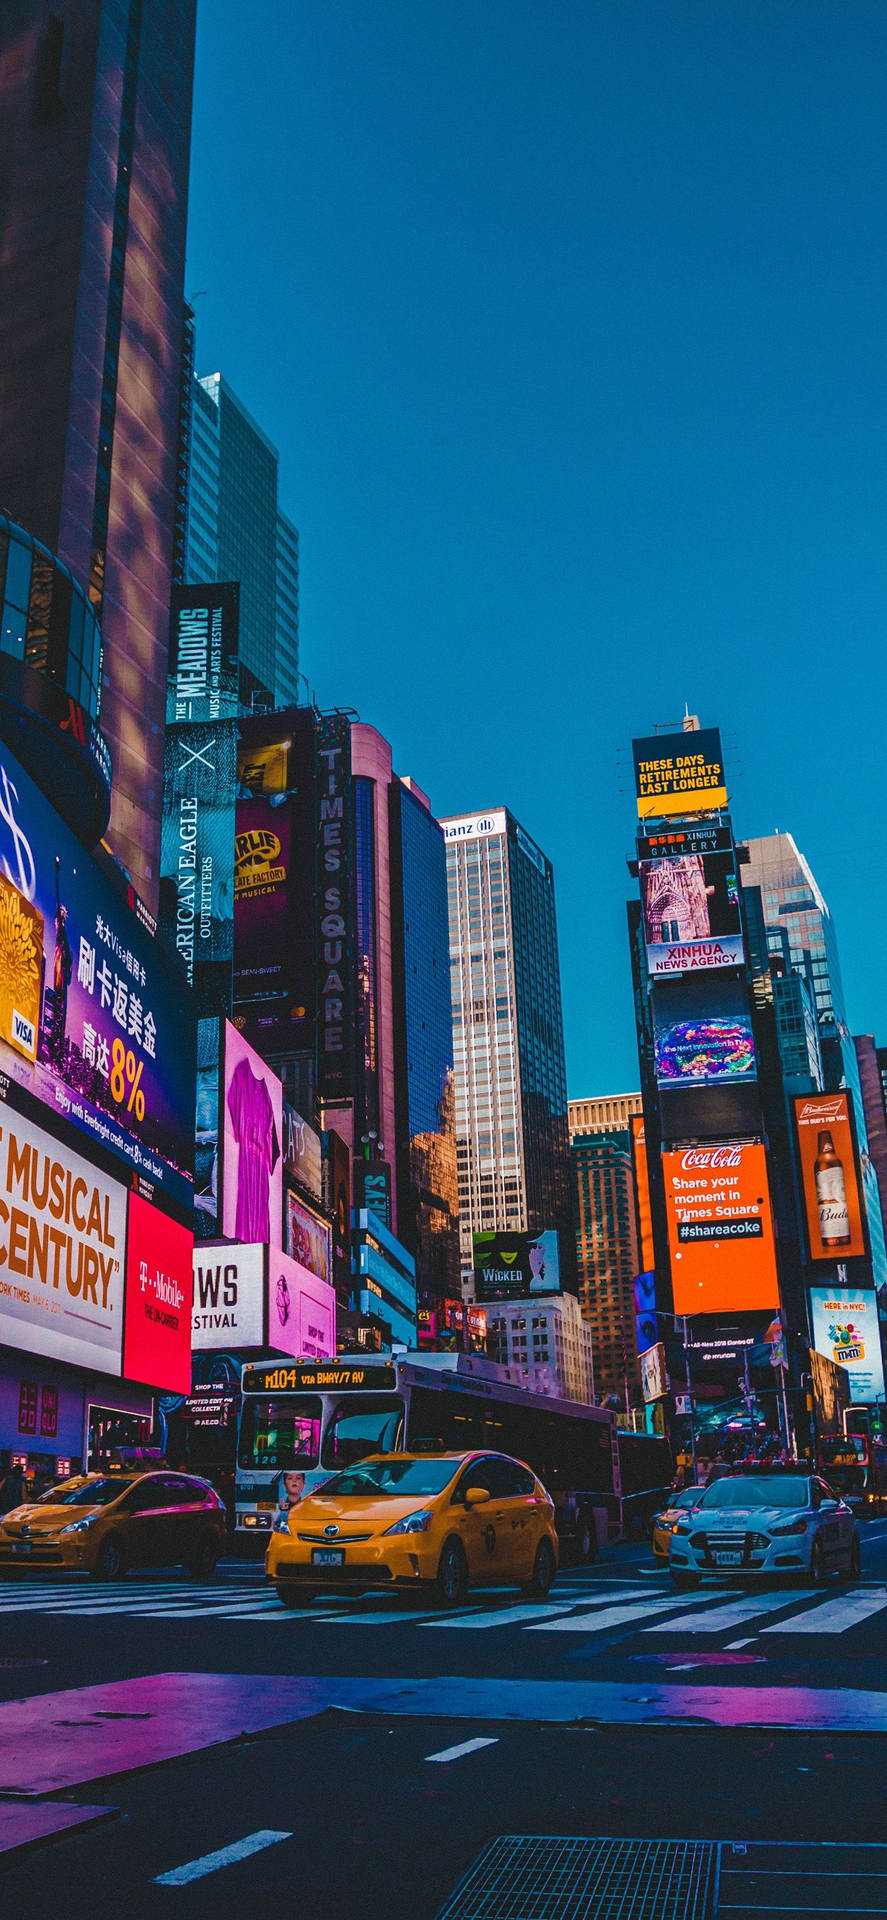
x=308, y=1239
x=516, y=1265
x=274, y=880
x=157, y=1321
x=654, y=1374
x=702, y=1033
x=301, y=1310
x=336, y=987
x=679, y=773
x=302, y=1154
x=112, y=1048
x=197, y=855
x=828, y=1175
x=690, y=904
x=642, y=1192
x=252, y=1170
x=339, y=1174
x=229, y=1297
x=646, y=1325
x=720, y=1229
x=202, y=669
x=845, y=1330
x=62, y=1250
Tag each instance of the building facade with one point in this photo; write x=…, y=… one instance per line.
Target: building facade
x=547, y=1343
x=510, y=1080
x=95, y=118
x=607, y=1256
x=608, y=1113
x=237, y=530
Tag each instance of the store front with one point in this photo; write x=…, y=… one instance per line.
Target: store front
x=56, y=1420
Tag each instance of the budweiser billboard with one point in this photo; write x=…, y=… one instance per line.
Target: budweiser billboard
x=828, y=1172
x=720, y=1229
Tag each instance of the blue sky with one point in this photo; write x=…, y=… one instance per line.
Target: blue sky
x=570, y=322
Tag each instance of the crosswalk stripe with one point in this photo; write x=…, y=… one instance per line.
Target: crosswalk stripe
x=734, y=1615
x=833, y=1616
x=501, y=1616
x=607, y=1617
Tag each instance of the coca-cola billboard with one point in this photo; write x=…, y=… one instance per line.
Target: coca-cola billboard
x=720, y=1228
x=828, y=1171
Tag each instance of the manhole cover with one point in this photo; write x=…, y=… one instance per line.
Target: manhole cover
x=521, y=1877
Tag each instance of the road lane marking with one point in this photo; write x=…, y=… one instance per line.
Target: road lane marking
x=733, y=1646
x=608, y=1617
x=833, y=1616
x=455, y=1753
x=734, y=1615
x=223, y=1857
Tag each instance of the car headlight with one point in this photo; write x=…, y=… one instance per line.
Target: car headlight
x=281, y=1521
x=681, y=1526
x=80, y=1526
x=794, y=1526
x=412, y=1523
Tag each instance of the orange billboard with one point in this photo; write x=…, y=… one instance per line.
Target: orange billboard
x=828, y=1173
x=642, y=1189
x=720, y=1229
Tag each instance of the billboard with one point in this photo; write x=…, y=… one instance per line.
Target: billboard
x=339, y=1202
x=308, y=1239
x=62, y=1245
x=654, y=1375
x=229, y=1297
x=252, y=1170
x=642, y=1192
x=720, y=1229
x=679, y=773
x=157, y=1321
x=202, y=670
x=334, y=845
x=274, y=880
x=301, y=1310
x=828, y=1175
x=690, y=903
x=302, y=1155
x=197, y=854
x=646, y=1325
x=475, y=826
x=112, y=1048
x=845, y=1330
x=515, y=1265
x=702, y=1034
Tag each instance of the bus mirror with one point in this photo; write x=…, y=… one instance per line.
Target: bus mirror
x=476, y=1496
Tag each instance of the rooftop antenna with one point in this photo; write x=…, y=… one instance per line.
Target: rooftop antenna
x=690, y=722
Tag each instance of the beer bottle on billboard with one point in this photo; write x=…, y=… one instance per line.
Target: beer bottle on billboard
x=831, y=1195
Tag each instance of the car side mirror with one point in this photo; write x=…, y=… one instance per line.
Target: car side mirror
x=477, y=1496
x=828, y=1506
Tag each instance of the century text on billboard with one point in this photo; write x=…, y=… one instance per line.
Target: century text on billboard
x=62, y=1241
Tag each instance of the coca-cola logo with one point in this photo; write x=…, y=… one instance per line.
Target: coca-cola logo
x=711, y=1157
x=819, y=1110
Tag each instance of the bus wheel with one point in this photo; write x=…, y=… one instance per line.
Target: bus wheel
x=451, y=1585
x=584, y=1542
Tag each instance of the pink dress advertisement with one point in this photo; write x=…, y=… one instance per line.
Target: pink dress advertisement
x=252, y=1205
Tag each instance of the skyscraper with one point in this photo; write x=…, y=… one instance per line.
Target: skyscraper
x=238, y=531
x=95, y=118
x=511, y=1094
x=607, y=1256
x=605, y=1113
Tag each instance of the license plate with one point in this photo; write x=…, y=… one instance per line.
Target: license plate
x=731, y=1559
x=328, y=1557
x=21, y=1546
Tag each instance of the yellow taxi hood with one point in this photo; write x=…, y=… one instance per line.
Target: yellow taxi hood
x=46, y=1519
x=357, y=1512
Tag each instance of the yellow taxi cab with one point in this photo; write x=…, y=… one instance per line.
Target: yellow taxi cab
x=439, y=1522
x=664, y=1523
x=107, y=1522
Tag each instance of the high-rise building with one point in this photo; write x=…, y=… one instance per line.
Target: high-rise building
x=607, y=1256
x=95, y=118
x=511, y=1097
x=874, y=1101
x=606, y=1113
x=237, y=530
x=548, y=1345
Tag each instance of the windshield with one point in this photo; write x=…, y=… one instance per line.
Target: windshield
x=89, y=1493
x=364, y=1423
x=279, y=1431
x=763, y=1491
x=690, y=1497
x=417, y=1478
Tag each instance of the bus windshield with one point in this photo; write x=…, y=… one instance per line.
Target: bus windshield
x=280, y=1431
x=361, y=1424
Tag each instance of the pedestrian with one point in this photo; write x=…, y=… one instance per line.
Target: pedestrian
x=13, y=1489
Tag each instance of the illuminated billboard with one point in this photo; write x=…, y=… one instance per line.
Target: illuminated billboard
x=690, y=905
x=197, y=854
x=828, y=1174
x=654, y=1374
x=845, y=1330
x=720, y=1229
x=111, y=1050
x=679, y=773
x=308, y=1239
x=252, y=1170
x=334, y=853
x=202, y=669
x=702, y=1034
x=301, y=1310
x=229, y=1297
x=642, y=1191
x=62, y=1248
x=157, y=1325
x=274, y=880
x=512, y=1266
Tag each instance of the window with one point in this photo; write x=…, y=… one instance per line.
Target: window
x=27, y=1406
x=477, y=1475
x=506, y=1480
x=49, y=1413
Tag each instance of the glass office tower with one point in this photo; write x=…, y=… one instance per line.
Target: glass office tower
x=511, y=1093
x=95, y=126
x=237, y=531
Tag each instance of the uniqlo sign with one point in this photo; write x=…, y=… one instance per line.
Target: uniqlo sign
x=157, y=1325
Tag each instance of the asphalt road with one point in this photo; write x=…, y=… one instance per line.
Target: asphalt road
x=373, y=1825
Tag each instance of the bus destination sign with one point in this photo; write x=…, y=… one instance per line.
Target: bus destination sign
x=318, y=1378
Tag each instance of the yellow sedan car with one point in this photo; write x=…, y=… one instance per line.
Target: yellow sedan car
x=107, y=1522
x=433, y=1522
x=664, y=1523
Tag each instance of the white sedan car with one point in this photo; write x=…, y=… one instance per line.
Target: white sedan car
x=765, y=1523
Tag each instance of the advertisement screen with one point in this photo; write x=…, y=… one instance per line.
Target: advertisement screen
x=301, y=1310
x=274, y=880
x=111, y=1049
x=642, y=1191
x=845, y=1330
x=157, y=1325
x=720, y=1229
x=202, y=673
x=197, y=854
x=646, y=1325
x=252, y=1170
x=702, y=1034
x=302, y=1156
x=62, y=1250
x=339, y=1163
x=516, y=1265
x=679, y=773
x=336, y=987
x=828, y=1174
x=308, y=1240
x=691, y=913
x=229, y=1297
x=654, y=1377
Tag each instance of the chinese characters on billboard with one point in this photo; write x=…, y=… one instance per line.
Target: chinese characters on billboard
x=157, y=1330
x=96, y=1021
x=516, y=1265
x=62, y=1240
x=252, y=1169
x=828, y=1174
x=720, y=1229
x=679, y=773
x=690, y=903
x=845, y=1330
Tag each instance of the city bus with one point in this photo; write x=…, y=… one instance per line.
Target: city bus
x=300, y=1422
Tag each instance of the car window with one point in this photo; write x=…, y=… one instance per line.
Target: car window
x=84, y=1493
x=179, y=1491
x=757, y=1490
x=145, y=1495
x=506, y=1480
x=477, y=1475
